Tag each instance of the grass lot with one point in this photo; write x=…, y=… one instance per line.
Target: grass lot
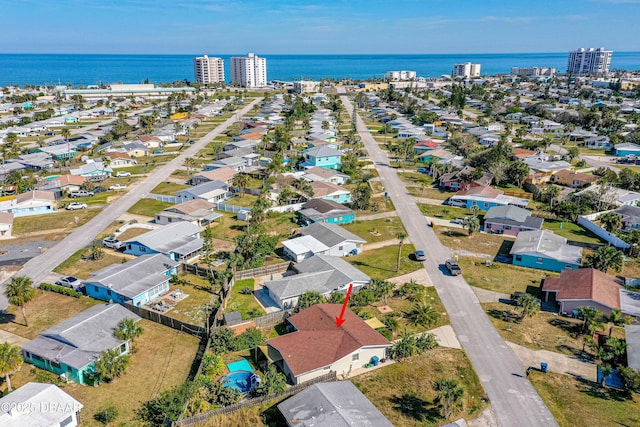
x=630, y=269
x=446, y=212
x=227, y=227
x=44, y=311
x=141, y=168
x=581, y=403
x=192, y=309
x=480, y=243
x=149, y=207
x=408, y=399
x=571, y=231
x=494, y=277
x=378, y=205
x=245, y=304
x=162, y=360
x=98, y=199
x=132, y=232
x=246, y=200
x=381, y=263
x=168, y=188
x=385, y=229
x=77, y=267
x=60, y=219
x=429, y=192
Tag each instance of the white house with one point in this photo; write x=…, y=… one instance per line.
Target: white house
x=42, y=405
x=324, y=239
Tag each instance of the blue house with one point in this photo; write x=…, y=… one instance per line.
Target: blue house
x=72, y=347
x=329, y=191
x=137, y=281
x=627, y=148
x=320, y=210
x=34, y=202
x=180, y=241
x=545, y=251
x=322, y=157
x=485, y=198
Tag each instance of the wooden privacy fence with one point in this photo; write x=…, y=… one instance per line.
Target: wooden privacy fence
x=200, y=418
x=272, y=318
x=154, y=316
x=262, y=271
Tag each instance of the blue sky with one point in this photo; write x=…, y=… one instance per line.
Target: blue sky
x=320, y=26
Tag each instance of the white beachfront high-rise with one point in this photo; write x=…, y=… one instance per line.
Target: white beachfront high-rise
x=249, y=71
x=589, y=61
x=208, y=70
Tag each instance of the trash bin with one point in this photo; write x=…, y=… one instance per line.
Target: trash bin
x=543, y=367
x=375, y=360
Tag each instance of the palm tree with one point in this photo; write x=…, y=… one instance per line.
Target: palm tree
x=605, y=370
x=450, y=395
x=112, y=364
x=616, y=318
x=422, y=314
x=590, y=317
x=400, y=236
x=241, y=181
x=530, y=305
x=393, y=323
x=128, y=330
x=10, y=361
x=610, y=221
x=471, y=224
x=190, y=162
x=20, y=292
x=271, y=382
x=605, y=258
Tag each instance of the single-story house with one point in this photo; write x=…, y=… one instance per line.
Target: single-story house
x=120, y=160
x=38, y=404
x=198, y=212
x=6, y=225
x=221, y=174
x=324, y=404
x=66, y=183
x=72, y=347
x=211, y=191
x=320, y=273
x=322, y=157
x=150, y=141
x=521, y=153
x=598, y=142
x=510, y=220
x=59, y=152
x=484, y=197
x=317, y=346
x=180, y=241
x=613, y=195
x=139, y=280
x=632, y=337
x=94, y=171
x=585, y=287
x=328, y=191
x=35, y=161
x=324, y=239
x=455, y=180
x=573, y=179
x=325, y=175
x=34, y=202
x=546, y=251
x=236, y=163
x=630, y=216
x=320, y=210
x=627, y=149
x=135, y=149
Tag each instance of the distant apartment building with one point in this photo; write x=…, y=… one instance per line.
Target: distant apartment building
x=533, y=71
x=466, y=70
x=249, y=71
x=589, y=61
x=400, y=75
x=306, y=86
x=208, y=70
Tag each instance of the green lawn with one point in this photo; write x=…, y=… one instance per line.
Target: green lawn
x=381, y=263
x=494, y=277
x=574, y=402
x=404, y=393
x=168, y=188
x=81, y=268
x=479, y=243
x=376, y=230
x=59, y=219
x=245, y=304
x=149, y=207
x=141, y=168
x=445, y=211
x=193, y=309
x=571, y=231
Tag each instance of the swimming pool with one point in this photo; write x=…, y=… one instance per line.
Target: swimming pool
x=240, y=365
x=243, y=381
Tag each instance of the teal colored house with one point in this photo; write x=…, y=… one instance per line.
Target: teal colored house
x=545, y=251
x=137, y=281
x=72, y=347
x=180, y=241
x=323, y=157
x=627, y=149
x=328, y=211
x=330, y=191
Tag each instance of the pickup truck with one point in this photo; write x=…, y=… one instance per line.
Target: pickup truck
x=81, y=193
x=113, y=243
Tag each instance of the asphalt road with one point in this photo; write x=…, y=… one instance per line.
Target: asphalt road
x=514, y=400
x=39, y=267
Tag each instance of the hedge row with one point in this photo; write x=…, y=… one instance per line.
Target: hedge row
x=60, y=290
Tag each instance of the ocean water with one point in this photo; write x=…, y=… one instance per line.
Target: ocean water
x=80, y=69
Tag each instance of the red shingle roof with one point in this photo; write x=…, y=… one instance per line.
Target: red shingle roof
x=585, y=284
x=318, y=342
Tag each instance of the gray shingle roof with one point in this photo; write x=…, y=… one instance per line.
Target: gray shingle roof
x=169, y=237
x=542, y=243
x=327, y=263
x=136, y=276
x=323, y=151
x=329, y=234
x=508, y=212
x=40, y=399
x=81, y=339
x=204, y=188
x=334, y=404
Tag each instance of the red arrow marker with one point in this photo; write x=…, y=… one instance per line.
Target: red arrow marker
x=340, y=320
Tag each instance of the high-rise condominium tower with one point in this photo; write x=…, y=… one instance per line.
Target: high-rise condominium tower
x=249, y=71
x=208, y=70
x=589, y=61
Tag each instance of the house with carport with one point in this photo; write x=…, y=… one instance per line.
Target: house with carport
x=317, y=347
x=71, y=348
x=137, y=281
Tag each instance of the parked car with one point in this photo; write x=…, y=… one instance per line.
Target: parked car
x=99, y=189
x=423, y=170
x=453, y=267
x=113, y=243
x=74, y=206
x=122, y=174
x=420, y=255
x=117, y=187
x=69, y=282
x=81, y=193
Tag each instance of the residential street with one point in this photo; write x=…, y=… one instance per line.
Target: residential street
x=513, y=398
x=39, y=267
